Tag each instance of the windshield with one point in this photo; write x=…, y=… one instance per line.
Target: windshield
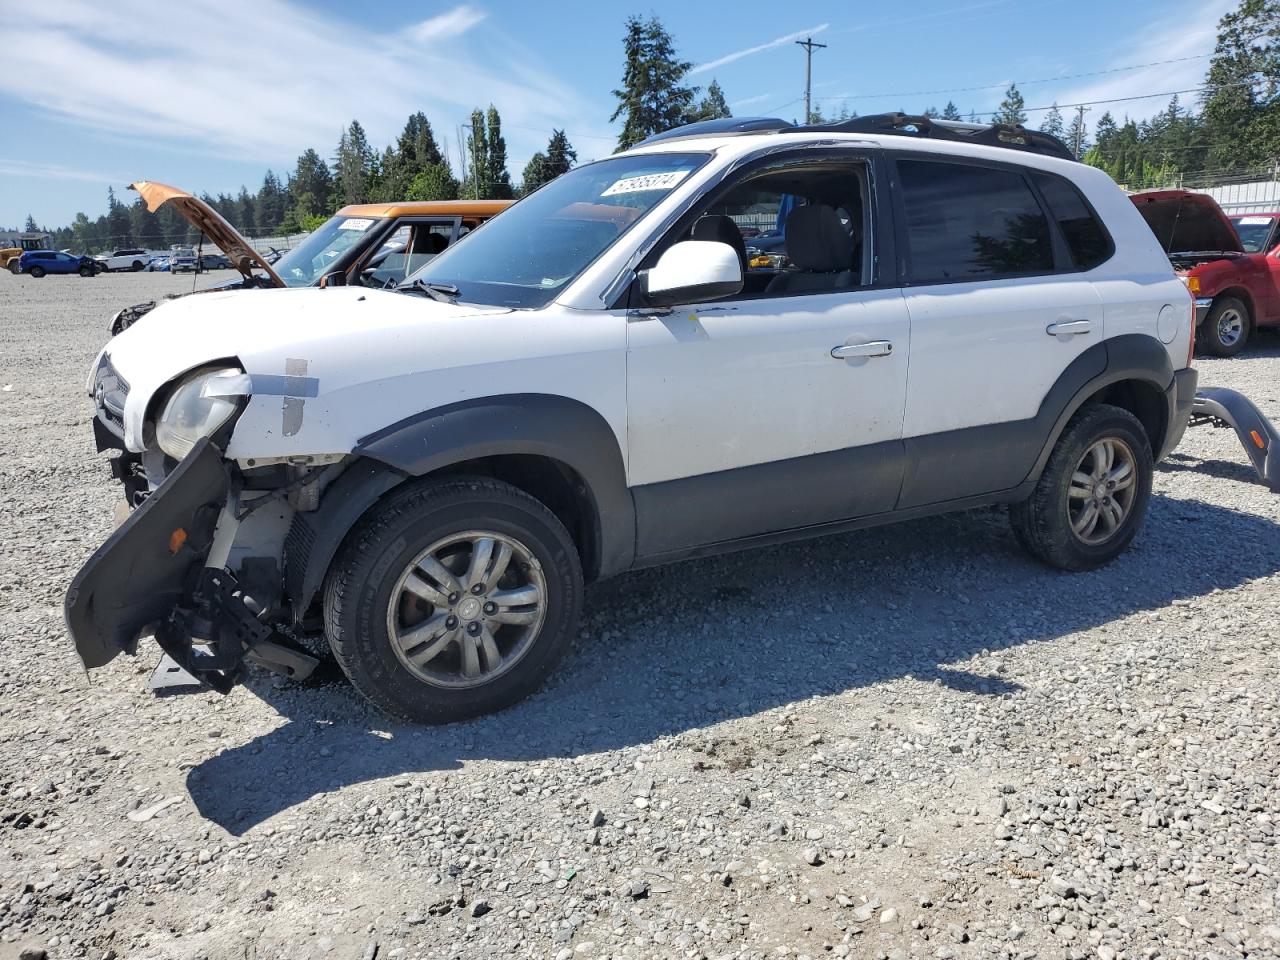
x=1253, y=231
x=527, y=256
x=323, y=250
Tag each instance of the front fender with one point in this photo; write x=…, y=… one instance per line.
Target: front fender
x=532, y=424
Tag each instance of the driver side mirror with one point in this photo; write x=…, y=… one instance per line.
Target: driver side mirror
x=692, y=271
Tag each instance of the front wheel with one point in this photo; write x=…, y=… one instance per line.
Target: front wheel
x=1226, y=330
x=87, y=271
x=454, y=598
x=37, y=272
x=1090, y=501
x=138, y=265
x=13, y=267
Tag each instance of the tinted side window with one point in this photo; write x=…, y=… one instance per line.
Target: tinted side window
x=1085, y=236
x=969, y=223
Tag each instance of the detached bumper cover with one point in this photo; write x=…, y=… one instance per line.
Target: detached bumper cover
x=150, y=577
x=1225, y=408
x=147, y=567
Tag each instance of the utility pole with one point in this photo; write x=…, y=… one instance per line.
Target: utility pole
x=809, y=47
x=1079, y=131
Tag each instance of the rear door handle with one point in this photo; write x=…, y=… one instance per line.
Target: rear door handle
x=876, y=348
x=1068, y=328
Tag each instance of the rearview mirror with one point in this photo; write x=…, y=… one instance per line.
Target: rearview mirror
x=693, y=271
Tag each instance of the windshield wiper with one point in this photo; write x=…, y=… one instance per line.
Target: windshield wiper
x=444, y=292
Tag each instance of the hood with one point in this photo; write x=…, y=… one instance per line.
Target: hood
x=343, y=334
x=209, y=222
x=1186, y=222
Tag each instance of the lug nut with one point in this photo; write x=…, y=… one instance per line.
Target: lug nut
x=451, y=622
x=453, y=598
x=478, y=589
x=490, y=607
x=473, y=628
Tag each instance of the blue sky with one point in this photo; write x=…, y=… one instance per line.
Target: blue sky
x=208, y=95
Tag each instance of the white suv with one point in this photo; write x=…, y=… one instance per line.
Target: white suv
x=421, y=481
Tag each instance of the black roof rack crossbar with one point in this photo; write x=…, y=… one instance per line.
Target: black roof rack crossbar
x=1009, y=136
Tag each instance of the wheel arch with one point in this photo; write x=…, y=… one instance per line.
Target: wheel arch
x=1244, y=296
x=1137, y=375
x=556, y=449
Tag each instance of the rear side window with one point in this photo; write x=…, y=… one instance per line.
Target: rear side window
x=968, y=222
x=1086, y=238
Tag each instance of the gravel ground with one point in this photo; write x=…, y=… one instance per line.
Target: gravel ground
x=906, y=742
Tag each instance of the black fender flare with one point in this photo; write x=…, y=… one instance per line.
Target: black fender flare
x=1130, y=356
x=534, y=424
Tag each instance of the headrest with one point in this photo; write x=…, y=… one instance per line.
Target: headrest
x=723, y=230
x=817, y=241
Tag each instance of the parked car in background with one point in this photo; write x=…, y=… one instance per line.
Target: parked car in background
x=135, y=259
x=182, y=259
x=591, y=383
x=1259, y=232
x=375, y=244
x=37, y=263
x=11, y=249
x=214, y=261
x=1235, y=290
x=158, y=264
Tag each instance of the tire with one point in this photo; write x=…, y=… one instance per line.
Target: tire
x=1226, y=330
x=138, y=265
x=13, y=268
x=1053, y=524
x=37, y=272
x=87, y=271
x=446, y=521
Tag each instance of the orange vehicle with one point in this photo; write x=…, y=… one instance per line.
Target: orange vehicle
x=366, y=244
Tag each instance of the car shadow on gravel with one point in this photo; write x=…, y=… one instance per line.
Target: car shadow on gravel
x=684, y=647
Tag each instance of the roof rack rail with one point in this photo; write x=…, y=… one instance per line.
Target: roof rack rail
x=720, y=127
x=1009, y=136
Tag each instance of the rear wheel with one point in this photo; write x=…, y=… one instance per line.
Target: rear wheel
x=37, y=272
x=87, y=271
x=1226, y=330
x=1092, y=497
x=137, y=265
x=13, y=267
x=453, y=599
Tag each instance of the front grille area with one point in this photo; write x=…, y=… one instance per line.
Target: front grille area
x=110, y=390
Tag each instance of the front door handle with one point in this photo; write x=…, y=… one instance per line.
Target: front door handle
x=1068, y=328
x=876, y=348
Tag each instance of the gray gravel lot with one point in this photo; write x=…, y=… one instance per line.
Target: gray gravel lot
x=906, y=742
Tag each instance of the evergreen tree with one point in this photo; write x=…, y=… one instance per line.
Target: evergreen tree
x=117, y=231
x=1242, y=107
x=949, y=112
x=1012, y=109
x=30, y=225
x=434, y=182
x=535, y=174
x=496, y=174
x=353, y=165
x=712, y=106
x=144, y=226
x=475, y=182
x=560, y=154
x=245, y=213
x=1053, y=124
x=309, y=187
x=1077, y=136
x=652, y=97
x=272, y=203
x=932, y=113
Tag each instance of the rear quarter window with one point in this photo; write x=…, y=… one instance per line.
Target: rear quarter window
x=1086, y=237
x=971, y=222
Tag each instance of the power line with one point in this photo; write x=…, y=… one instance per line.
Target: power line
x=1003, y=84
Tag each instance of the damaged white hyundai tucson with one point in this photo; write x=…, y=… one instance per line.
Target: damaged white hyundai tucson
x=419, y=482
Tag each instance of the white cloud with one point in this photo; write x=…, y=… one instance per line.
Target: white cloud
x=739, y=54
x=260, y=80
x=1191, y=31
x=452, y=24
x=24, y=168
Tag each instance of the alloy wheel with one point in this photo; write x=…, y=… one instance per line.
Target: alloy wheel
x=1101, y=493
x=1230, y=327
x=467, y=609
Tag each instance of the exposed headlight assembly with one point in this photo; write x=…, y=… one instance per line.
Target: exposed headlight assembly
x=201, y=403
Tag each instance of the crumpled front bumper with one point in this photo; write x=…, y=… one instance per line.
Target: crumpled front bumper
x=151, y=577
x=1227, y=409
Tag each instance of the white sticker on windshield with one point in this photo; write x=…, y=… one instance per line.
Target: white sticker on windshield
x=1254, y=221
x=356, y=223
x=650, y=181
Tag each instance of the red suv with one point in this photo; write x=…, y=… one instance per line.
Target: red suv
x=1234, y=276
